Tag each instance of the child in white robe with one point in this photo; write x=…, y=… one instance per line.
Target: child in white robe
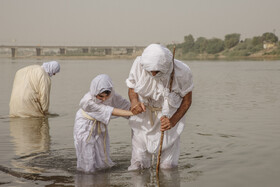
x=91, y=136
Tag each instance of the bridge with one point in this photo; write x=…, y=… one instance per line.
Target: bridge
x=63, y=50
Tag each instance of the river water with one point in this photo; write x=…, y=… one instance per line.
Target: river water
x=232, y=136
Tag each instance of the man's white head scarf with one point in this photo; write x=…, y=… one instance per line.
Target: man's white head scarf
x=156, y=57
x=51, y=67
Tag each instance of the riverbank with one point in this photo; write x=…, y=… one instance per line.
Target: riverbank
x=78, y=57
x=229, y=58
x=264, y=54
x=179, y=56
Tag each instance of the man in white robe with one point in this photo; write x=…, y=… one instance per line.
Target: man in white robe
x=157, y=108
x=30, y=96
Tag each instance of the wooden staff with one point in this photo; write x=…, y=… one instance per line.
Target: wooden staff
x=162, y=132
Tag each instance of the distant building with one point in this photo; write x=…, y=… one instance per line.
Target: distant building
x=268, y=45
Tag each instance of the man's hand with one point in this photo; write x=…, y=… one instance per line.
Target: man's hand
x=138, y=108
x=165, y=123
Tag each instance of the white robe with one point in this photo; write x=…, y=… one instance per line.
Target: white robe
x=31, y=92
x=152, y=91
x=93, y=149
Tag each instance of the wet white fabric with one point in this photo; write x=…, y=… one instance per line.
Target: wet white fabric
x=98, y=110
x=154, y=91
x=31, y=92
x=51, y=67
x=90, y=154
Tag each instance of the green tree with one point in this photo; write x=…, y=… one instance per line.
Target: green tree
x=200, y=45
x=188, y=43
x=214, y=46
x=269, y=37
x=247, y=47
x=231, y=40
x=257, y=40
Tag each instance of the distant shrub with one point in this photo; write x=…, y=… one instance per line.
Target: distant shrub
x=239, y=53
x=274, y=52
x=231, y=40
x=214, y=46
x=200, y=45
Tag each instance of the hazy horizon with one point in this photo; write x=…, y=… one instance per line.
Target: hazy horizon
x=132, y=22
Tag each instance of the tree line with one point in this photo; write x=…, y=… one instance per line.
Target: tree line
x=232, y=45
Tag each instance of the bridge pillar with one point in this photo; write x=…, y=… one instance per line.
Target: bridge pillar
x=85, y=50
x=129, y=51
x=14, y=52
x=62, y=51
x=39, y=51
x=108, y=51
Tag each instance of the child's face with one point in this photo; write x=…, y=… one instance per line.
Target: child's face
x=103, y=96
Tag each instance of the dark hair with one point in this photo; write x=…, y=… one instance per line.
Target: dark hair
x=107, y=92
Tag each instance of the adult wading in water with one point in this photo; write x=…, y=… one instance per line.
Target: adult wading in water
x=158, y=109
x=31, y=90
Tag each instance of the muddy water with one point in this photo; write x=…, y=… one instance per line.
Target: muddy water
x=231, y=138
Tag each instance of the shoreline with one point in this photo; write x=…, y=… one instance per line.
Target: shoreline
x=253, y=58
x=129, y=57
x=73, y=57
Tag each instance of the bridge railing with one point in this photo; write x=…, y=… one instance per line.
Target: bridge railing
x=76, y=50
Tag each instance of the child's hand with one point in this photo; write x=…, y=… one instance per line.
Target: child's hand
x=138, y=108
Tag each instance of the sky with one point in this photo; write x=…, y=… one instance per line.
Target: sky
x=132, y=22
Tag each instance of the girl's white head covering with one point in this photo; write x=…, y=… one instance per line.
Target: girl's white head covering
x=51, y=67
x=156, y=57
x=100, y=84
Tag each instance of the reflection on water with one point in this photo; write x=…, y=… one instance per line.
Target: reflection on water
x=140, y=178
x=94, y=180
x=31, y=138
x=170, y=177
x=31, y=135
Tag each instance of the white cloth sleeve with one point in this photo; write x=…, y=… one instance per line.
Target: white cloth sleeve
x=44, y=92
x=119, y=102
x=183, y=80
x=98, y=111
x=182, y=85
